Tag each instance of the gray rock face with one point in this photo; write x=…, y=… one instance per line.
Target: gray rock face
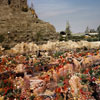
x=20, y=25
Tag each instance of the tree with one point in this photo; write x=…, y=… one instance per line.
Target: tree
x=92, y=31
x=68, y=31
x=32, y=6
x=87, y=30
x=9, y=2
x=63, y=36
x=38, y=36
x=98, y=30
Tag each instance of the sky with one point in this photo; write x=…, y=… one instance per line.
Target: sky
x=79, y=13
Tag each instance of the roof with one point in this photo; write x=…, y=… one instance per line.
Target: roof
x=93, y=33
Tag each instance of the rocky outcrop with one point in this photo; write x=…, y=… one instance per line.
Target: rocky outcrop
x=1, y=49
x=24, y=48
x=20, y=25
x=60, y=46
x=32, y=47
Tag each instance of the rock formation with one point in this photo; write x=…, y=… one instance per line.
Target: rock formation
x=18, y=23
x=19, y=4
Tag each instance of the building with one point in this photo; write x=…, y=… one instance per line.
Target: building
x=92, y=34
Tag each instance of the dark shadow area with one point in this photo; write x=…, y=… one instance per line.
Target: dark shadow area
x=9, y=2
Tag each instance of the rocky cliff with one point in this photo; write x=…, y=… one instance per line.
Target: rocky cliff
x=21, y=25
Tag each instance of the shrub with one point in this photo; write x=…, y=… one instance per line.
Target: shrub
x=25, y=9
x=1, y=38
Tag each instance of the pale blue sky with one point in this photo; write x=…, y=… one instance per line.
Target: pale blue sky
x=79, y=13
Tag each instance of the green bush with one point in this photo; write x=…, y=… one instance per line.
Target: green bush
x=32, y=97
x=25, y=9
x=77, y=38
x=95, y=39
x=92, y=39
x=57, y=54
x=89, y=39
x=6, y=47
x=63, y=39
x=1, y=38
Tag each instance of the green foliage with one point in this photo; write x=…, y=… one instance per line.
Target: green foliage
x=87, y=30
x=37, y=64
x=97, y=74
x=63, y=38
x=60, y=84
x=17, y=91
x=82, y=70
x=68, y=75
x=77, y=38
x=83, y=76
x=38, y=36
x=1, y=84
x=61, y=78
x=57, y=54
x=1, y=38
x=98, y=30
x=2, y=92
x=84, y=80
x=91, y=72
x=32, y=97
x=92, y=39
x=92, y=31
x=9, y=93
x=25, y=9
x=68, y=31
x=4, y=84
x=6, y=46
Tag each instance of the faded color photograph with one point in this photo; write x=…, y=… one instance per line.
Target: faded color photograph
x=49, y=49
